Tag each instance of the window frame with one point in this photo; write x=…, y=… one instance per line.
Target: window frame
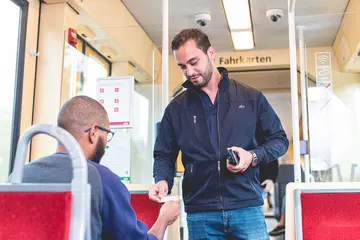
x=84, y=46
x=19, y=76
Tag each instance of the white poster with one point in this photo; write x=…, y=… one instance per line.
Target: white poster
x=116, y=94
x=117, y=154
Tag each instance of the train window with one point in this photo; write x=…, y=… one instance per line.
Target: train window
x=97, y=66
x=13, y=24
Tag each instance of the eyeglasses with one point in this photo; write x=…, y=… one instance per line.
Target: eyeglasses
x=109, y=134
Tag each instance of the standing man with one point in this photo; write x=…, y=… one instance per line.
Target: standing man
x=215, y=113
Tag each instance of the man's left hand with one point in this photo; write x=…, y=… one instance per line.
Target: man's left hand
x=245, y=159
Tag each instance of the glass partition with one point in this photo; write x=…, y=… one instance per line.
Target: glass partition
x=333, y=103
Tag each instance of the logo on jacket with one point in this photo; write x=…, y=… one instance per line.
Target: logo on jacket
x=241, y=106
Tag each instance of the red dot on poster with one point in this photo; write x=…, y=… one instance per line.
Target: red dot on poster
x=116, y=89
x=116, y=110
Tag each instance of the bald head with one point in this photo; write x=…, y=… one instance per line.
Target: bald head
x=79, y=113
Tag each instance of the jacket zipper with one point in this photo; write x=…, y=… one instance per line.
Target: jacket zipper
x=206, y=124
x=196, y=129
x=219, y=170
x=217, y=156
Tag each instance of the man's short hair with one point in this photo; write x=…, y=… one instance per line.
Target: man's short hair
x=201, y=39
x=79, y=113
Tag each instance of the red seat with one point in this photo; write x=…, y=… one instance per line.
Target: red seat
x=330, y=216
x=35, y=215
x=146, y=209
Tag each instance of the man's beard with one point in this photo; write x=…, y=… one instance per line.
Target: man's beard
x=100, y=151
x=206, y=76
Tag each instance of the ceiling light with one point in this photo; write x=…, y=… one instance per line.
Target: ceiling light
x=239, y=21
x=238, y=14
x=243, y=40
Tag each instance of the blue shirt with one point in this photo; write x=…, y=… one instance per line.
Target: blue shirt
x=211, y=115
x=119, y=218
x=112, y=216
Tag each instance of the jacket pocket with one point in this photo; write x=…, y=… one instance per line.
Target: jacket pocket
x=200, y=183
x=253, y=183
x=241, y=187
x=187, y=180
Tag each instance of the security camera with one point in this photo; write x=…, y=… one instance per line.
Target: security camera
x=274, y=15
x=202, y=19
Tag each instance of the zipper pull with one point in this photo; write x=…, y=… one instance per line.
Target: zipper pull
x=191, y=168
x=194, y=119
x=218, y=165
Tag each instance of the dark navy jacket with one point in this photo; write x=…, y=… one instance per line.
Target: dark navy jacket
x=245, y=119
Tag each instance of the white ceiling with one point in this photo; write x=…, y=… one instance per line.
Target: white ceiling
x=321, y=18
x=101, y=38
x=181, y=15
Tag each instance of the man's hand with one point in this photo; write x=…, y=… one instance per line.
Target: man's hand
x=269, y=185
x=245, y=159
x=158, y=191
x=170, y=211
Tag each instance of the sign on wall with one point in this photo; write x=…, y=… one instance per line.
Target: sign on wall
x=278, y=58
x=240, y=60
x=323, y=69
x=117, y=154
x=116, y=94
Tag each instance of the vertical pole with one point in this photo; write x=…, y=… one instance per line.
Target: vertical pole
x=165, y=54
x=303, y=85
x=165, y=61
x=153, y=102
x=294, y=91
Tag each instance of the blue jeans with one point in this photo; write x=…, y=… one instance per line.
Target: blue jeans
x=240, y=224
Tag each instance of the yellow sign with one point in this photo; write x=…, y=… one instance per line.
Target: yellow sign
x=244, y=60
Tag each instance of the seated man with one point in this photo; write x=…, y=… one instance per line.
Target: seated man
x=112, y=216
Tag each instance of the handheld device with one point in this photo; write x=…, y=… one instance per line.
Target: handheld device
x=233, y=159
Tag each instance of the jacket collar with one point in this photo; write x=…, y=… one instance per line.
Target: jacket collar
x=223, y=85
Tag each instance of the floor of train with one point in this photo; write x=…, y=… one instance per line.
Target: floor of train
x=271, y=224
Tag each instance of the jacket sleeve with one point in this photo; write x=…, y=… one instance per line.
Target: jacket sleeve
x=269, y=171
x=166, y=151
x=270, y=135
x=118, y=216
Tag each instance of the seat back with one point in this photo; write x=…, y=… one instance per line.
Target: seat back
x=29, y=209
x=35, y=215
x=146, y=210
x=330, y=215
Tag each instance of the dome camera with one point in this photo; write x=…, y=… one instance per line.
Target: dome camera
x=274, y=15
x=202, y=19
